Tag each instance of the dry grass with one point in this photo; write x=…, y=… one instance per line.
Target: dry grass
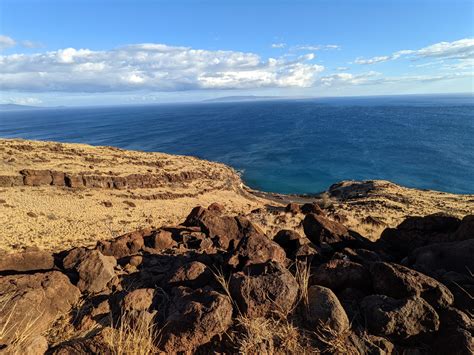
x=332, y=341
x=268, y=336
x=135, y=334
x=302, y=276
x=16, y=333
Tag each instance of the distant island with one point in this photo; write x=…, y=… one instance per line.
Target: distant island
x=243, y=98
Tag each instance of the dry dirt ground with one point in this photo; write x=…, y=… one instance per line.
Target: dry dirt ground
x=57, y=217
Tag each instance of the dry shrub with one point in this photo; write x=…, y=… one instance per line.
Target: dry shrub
x=18, y=332
x=135, y=334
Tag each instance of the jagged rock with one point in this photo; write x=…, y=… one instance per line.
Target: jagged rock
x=94, y=269
x=312, y=208
x=140, y=299
x=399, y=319
x=125, y=245
x=30, y=260
x=369, y=344
x=321, y=230
x=256, y=249
x=363, y=256
x=415, y=232
x=194, y=274
x=264, y=290
x=325, y=313
x=216, y=207
x=466, y=229
x=293, y=208
x=34, y=300
x=399, y=282
x=340, y=274
x=36, y=177
x=455, y=334
x=224, y=230
x=454, y=256
x=289, y=240
x=195, y=317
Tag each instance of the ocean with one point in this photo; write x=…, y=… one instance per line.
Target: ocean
x=286, y=146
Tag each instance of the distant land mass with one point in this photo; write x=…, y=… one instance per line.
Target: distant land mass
x=9, y=107
x=244, y=98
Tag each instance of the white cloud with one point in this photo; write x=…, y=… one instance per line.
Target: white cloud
x=23, y=101
x=278, y=45
x=6, y=42
x=151, y=66
x=463, y=48
x=31, y=44
x=319, y=47
x=342, y=68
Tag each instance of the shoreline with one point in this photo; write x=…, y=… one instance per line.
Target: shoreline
x=67, y=194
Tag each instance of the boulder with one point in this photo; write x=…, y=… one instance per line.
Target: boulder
x=321, y=230
x=312, y=208
x=140, y=299
x=125, y=245
x=399, y=282
x=95, y=270
x=256, y=249
x=160, y=240
x=34, y=301
x=289, y=240
x=226, y=231
x=264, y=290
x=195, y=317
x=399, y=319
x=339, y=274
x=193, y=274
x=325, y=313
x=415, y=232
x=454, y=256
x=30, y=260
x=293, y=208
x=466, y=229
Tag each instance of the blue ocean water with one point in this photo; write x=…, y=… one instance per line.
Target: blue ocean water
x=286, y=146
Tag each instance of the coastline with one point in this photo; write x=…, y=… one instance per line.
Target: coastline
x=76, y=194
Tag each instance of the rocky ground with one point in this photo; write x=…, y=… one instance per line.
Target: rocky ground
x=217, y=284
x=103, y=252
x=56, y=195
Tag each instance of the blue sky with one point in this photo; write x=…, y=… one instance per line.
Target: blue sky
x=106, y=52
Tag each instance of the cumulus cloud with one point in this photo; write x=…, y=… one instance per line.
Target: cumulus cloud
x=461, y=49
x=6, y=42
x=151, y=66
x=278, y=45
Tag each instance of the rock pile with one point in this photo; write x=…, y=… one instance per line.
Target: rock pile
x=195, y=283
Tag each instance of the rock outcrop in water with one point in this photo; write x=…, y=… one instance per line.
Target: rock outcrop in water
x=218, y=283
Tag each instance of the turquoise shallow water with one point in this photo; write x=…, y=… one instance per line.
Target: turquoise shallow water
x=287, y=146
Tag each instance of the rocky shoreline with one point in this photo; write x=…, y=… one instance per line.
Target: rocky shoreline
x=217, y=283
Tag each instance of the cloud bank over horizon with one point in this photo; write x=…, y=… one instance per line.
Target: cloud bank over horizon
x=155, y=67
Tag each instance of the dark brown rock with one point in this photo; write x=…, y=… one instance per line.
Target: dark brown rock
x=321, y=230
x=36, y=177
x=312, y=208
x=256, y=249
x=399, y=282
x=160, y=240
x=264, y=290
x=289, y=240
x=415, y=232
x=293, y=208
x=340, y=274
x=125, y=245
x=325, y=310
x=193, y=274
x=33, y=260
x=454, y=256
x=95, y=270
x=34, y=300
x=195, y=317
x=399, y=319
x=138, y=300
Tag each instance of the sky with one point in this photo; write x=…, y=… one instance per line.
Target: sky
x=102, y=52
